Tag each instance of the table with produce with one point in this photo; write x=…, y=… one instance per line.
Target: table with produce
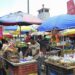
x=16, y=63
x=63, y=65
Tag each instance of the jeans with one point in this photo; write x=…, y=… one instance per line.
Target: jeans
x=40, y=62
x=2, y=71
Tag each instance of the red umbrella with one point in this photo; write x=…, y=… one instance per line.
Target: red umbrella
x=8, y=36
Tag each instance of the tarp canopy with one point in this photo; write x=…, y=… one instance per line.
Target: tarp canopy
x=61, y=22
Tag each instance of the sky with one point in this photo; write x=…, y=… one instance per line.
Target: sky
x=56, y=7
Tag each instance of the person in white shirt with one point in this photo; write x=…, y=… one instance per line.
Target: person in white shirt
x=34, y=47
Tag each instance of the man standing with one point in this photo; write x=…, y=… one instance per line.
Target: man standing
x=34, y=50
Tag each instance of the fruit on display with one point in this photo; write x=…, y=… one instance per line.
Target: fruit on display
x=12, y=56
x=54, y=58
x=21, y=44
x=64, y=61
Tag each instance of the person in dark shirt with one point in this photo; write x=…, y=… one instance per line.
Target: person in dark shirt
x=72, y=42
x=1, y=44
x=28, y=36
x=44, y=44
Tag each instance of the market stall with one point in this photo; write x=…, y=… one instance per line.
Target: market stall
x=15, y=63
x=63, y=65
x=56, y=69
x=25, y=67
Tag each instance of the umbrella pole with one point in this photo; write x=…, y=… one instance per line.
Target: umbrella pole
x=63, y=42
x=20, y=33
x=2, y=31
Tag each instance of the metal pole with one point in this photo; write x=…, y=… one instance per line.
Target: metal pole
x=20, y=32
x=28, y=6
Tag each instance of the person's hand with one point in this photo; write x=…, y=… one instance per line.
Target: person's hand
x=28, y=51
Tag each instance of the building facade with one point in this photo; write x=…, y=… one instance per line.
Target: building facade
x=43, y=13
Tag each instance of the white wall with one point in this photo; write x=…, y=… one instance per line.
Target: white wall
x=44, y=15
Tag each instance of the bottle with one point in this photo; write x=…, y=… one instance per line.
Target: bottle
x=21, y=55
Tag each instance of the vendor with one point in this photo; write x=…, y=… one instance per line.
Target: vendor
x=5, y=44
x=55, y=38
x=34, y=50
x=34, y=47
x=27, y=38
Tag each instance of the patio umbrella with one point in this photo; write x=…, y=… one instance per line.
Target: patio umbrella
x=24, y=29
x=68, y=32
x=61, y=22
x=15, y=32
x=13, y=28
x=19, y=18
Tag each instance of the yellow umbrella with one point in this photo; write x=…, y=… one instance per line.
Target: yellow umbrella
x=24, y=28
x=67, y=32
x=15, y=32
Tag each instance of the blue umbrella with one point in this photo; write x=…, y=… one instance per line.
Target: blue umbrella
x=61, y=22
x=10, y=27
x=24, y=32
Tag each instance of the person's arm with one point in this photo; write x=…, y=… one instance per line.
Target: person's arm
x=37, y=52
x=27, y=51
